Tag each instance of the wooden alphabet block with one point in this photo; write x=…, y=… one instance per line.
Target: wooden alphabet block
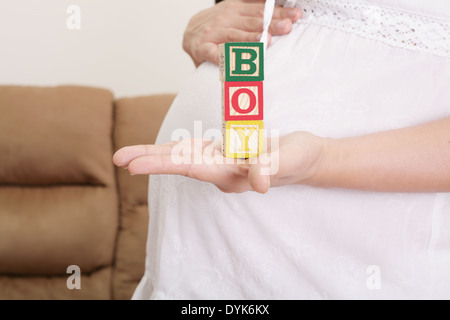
x=243, y=101
x=244, y=139
x=241, y=61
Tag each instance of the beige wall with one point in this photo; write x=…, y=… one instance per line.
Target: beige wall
x=132, y=47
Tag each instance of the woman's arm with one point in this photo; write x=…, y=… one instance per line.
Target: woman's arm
x=414, y=159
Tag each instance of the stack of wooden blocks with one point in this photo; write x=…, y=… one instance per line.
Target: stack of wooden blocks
x=242, y=75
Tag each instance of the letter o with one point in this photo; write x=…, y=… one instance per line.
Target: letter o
x=235, y=100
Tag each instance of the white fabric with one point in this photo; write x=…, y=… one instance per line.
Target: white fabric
x=400, y=28
x=300, y=242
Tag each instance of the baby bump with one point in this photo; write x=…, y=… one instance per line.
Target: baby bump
x=337, y=84
x=329, y=83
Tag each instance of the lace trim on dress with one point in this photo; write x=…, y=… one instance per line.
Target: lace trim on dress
x=394, y=26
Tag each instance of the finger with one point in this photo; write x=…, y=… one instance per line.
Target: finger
x=280, y=27
x=252, y=10
x=123, y=156
x=257, y=10
x=249, y=24
x=158, y=164
x=235, y=35
x=208, y=51
x=259, y=182
x=165, y=164
x=254, y=1
x=292, y=14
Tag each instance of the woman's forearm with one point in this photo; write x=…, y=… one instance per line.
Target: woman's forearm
x=415, y=159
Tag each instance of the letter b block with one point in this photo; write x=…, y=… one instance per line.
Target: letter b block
x=243, y=101
x=244, y=139
x=241, y=61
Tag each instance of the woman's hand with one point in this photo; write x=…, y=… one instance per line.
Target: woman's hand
x=293, y=159
x=413, y=159
x=232, y=21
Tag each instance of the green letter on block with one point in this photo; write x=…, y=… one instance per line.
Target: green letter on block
x=240, y=61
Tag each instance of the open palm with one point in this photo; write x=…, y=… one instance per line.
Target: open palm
x=291, y=159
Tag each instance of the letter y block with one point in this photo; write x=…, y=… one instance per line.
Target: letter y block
x=244, y=139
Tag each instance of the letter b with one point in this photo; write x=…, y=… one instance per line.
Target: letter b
x=241, y=61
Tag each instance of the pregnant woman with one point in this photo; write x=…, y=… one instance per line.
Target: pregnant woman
x=360, y=206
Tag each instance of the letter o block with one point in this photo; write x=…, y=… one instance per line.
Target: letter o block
x=243, y=101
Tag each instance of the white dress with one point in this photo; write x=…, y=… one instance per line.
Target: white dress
x=348, y=68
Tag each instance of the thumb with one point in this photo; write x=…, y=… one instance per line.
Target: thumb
x=258, y=181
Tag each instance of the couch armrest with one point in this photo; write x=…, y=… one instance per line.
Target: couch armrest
x=137, y=121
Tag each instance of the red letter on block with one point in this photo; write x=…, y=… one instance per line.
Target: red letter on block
x=243, y=101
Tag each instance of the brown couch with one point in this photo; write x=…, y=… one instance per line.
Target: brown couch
x=62, y=202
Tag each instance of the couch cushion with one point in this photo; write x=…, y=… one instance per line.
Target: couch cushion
x=58, y=192
x=56, y=135
x=44, y=230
